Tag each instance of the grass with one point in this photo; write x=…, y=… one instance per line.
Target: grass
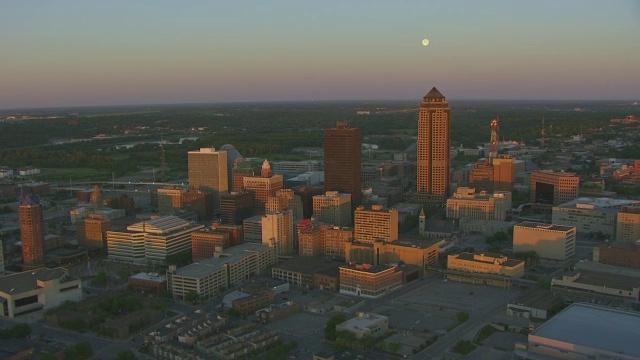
x=464, y=347
x=75, y=174
x=483, y=334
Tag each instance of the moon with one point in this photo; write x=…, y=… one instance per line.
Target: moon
x=425, y=42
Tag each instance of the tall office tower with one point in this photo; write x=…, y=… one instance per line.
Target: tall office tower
x=343, y=161
x=307, y=193
x=333, y=208
x=504, y=173
x=236, y=206
x=208, y=172
x=32, y=231
x=550, y=188
x=277, y=231
x=263, y=186
x=92, y=231
x=434, y=143
x=374, y=224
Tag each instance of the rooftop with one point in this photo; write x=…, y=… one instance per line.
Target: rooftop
x=155, y=277
x=161, y=225
x=362, y=321
x=597, y=203
x=28, y=280
x=552, y=227
x=206, y=267
x=585, y=324
x=596, y=278
x=434, y=94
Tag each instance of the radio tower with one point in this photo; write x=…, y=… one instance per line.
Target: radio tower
x=493, y=145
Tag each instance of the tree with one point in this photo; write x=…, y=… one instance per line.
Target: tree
x=192, y=297
x=462, y=316
x=330, y=328
x=100, y=279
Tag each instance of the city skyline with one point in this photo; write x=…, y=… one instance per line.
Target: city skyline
x=119, y=53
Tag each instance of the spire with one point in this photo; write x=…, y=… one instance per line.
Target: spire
x=266, y=169
x=434, y=94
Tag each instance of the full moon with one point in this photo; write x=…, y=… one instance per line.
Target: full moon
x=425, y=42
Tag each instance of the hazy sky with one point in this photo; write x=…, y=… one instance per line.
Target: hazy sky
x=79, y=52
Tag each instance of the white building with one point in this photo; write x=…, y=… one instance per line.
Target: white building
x=466, y=203
x=155, y=240
x=234, y=266
x=591, y=215
x=549, y=241
x=35, y=290
x=365, y=324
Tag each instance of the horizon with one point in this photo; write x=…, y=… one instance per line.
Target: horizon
x=120, y=53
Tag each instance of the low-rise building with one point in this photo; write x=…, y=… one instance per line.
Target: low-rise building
x=275, y=312
x=148, y=283
x=365, y=324
x=589, y=215
x=584, y=331
x=587, y=285
x=369, y=281
x=628, y=224
x=413, y=251
x=619, y=253
x=549, y=241
x=232, y=267
x=467, y=203
x=39, y=289
x=486, y=264
x=300, y=270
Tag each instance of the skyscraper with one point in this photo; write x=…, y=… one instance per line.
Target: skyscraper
x=208, y=172
x=32, y=231
x=434, y=143
x=343, y=161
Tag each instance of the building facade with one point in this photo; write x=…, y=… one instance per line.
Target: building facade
x=628, y=224
x=549, y=241
x=549, y=188
x=369, y=281
x=486, y=264
x=31, y=231
x=434, y=143
x=92, y=231
x=343, y=161
x=208, y=172
x=234, y=266
x=236, y=206
x=206, y=243
x=419, y=253
x=267, y=184
x=157, y=241
x=277, y=231
x=467, y=203
x=376, y=223
x=590, y=215
x=333, y=208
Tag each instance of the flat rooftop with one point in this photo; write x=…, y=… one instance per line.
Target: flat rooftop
x=596, y=278
x=362, y=321
x=552, y=227
x=206, y=267
x=28, y=280
x=596, y=327
x=154, y=277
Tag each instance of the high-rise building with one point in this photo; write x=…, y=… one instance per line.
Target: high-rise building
x=333, y=208
x=628, y=224
x=277, y=231
x=32, y=231
x=377, y=223
x=343, y=161
x=495, y=174
x=434, y=143
x=550, y=188
x=208, y=172
x=263, y=186
x=236, y=206
x=92, y=231
x=307, y=193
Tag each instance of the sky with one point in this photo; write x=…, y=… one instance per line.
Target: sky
x=117, y=52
